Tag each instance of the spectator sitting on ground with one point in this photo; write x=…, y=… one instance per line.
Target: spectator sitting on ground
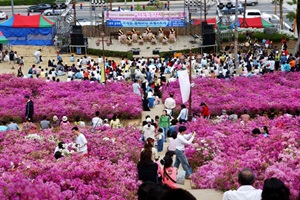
x=12, y=126
x=64, y=121
x=79, y=122
x=246, y=191
x=44, y=124
x=3, y=126
x=55, y=122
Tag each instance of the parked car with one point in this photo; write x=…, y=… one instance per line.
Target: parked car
x=2, y=15
x=39, y=7
x=251, y=13
x=49, y=12
x=249, y=2
x=225, y=10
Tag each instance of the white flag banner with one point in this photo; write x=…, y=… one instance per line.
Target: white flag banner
x=184, y=83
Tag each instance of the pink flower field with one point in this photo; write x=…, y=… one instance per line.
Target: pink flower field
x=257, y=94
x=67, y=98
x=222, y=149
x=30, y=171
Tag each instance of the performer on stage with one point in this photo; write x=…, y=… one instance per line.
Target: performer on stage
x=133, y=31
x=140, y=37
x=153, y=39
x=120, y=32
x=161, y=30
x=172, y=31
x=148, y=30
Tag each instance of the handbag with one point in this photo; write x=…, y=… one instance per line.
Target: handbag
x=180, y=177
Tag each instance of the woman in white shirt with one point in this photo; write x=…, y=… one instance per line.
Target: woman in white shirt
x=183, y=115
x=181, y=141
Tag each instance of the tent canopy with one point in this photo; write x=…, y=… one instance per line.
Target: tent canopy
x=28, y=30
x=3, y=39
x=21, y=21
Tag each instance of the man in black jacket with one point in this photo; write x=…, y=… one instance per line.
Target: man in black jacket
x=29, y=108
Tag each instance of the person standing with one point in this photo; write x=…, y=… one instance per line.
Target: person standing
x=164, y=123
x=246, y=191
x=205, y=111
x=37, y=56
x=181, y=141
x=183, y=115
x=136, y=88
x=148, y=129
x=170, y=104
x=29, y=108
x=80, y=140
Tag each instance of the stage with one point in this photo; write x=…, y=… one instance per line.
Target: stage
x=147, y=49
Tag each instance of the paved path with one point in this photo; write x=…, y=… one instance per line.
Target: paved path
x=200, y=194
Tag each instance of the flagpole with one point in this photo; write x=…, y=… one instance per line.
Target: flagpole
x=190, y=116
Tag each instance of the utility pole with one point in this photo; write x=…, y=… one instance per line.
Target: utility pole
x=12, y=7
x=204, y=11
x=74, y=7
x=190, y=116
x=236, y=37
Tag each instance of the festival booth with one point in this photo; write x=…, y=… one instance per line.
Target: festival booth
x=3, y=39
x=28, y=30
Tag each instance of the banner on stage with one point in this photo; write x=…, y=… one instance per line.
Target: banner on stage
x=185, y=85
x=166, y=23
x=145, y=15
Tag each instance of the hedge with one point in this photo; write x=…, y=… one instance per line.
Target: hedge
x=108, y=53
x=277, y=37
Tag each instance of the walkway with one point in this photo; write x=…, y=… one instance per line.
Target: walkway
x=200, y=194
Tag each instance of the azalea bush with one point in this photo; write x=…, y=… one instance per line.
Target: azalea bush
x=67, y=98
x=30, y=171
x=224, y=148
x=278, y=91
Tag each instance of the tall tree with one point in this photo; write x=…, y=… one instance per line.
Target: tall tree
x=280, y=14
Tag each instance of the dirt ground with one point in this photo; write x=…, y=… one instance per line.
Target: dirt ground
x=48, y=53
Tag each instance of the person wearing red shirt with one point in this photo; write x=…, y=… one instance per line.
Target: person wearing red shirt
x=205, y=111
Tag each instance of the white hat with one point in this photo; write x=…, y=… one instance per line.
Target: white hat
x=64, y=118
x=148, y=119
x=55, y=118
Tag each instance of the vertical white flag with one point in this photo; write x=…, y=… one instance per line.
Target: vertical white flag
x=185, y=85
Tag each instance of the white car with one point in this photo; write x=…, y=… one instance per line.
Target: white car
x=2, y=15
x=251, y=13
x=117, y=9
x=49, y=12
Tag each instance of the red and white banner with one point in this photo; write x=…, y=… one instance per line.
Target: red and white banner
x=145, y=15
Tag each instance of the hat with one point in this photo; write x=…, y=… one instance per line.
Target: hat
x=26, y=97
x=148, y=119
x=65, y=118
x=105, y=120
x=55, y=118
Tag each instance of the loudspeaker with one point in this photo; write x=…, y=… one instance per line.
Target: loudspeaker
x=155, y=52
x=209, y=39
x=76, y=29
x=136, y=52
x=77, y=39
x=207, y=29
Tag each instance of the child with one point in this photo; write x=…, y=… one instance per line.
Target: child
x=159, y=138
x=168, y=172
